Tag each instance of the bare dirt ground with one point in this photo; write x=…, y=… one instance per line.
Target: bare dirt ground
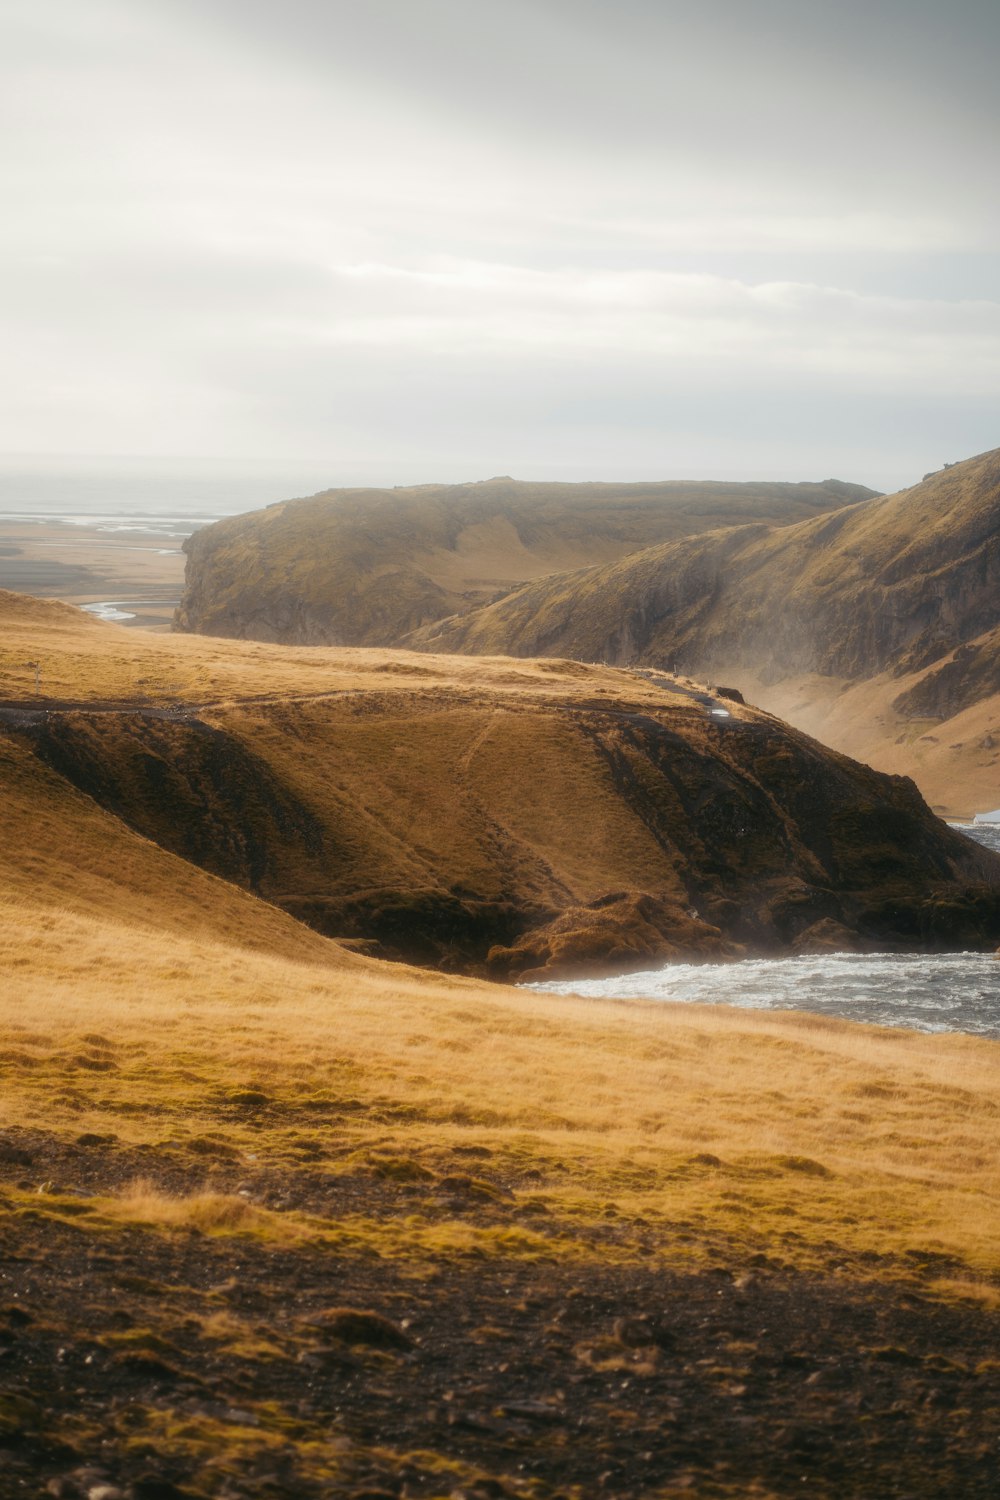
x=156, y=1363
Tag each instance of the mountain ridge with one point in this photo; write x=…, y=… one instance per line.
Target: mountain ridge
x=894, y=582
x=876, y=628
x=365, y=567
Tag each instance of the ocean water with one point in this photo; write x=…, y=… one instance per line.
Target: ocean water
x=984, y=833
x=927, y=992
x=124, y=498
x=135, y=507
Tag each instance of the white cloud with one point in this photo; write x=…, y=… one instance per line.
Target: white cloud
x=430, y=228
x=702, y=320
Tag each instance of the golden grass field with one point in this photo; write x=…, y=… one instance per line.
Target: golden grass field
x=106, y=933
x=861, y=1139
x=212, y=1042
x=85, y=660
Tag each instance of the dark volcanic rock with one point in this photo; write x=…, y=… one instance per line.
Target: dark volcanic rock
x=595, y=1377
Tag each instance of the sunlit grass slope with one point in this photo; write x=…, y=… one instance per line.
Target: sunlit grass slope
x=83, y=659
x=488, y=815
x=831, y=1140
x=143, y=996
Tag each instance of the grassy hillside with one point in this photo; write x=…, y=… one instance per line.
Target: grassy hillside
x=894, y=582
x=364, y=567
x=277, y=1219
x=903, y=589
x=492, y=816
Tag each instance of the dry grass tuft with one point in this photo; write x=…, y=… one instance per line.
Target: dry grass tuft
x=142, y=1202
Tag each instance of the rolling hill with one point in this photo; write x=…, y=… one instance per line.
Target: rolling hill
x=364, y=567
x=492, y=816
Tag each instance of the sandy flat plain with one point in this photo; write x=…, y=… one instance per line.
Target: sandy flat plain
x=143, y=571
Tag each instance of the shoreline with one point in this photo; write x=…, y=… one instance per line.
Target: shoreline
x=946, y=992
x=97, y=561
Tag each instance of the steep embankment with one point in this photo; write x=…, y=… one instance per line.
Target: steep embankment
x=904, y=589
x=905, y=725
x=531, y=816
x=891, y=583
x=364, y=567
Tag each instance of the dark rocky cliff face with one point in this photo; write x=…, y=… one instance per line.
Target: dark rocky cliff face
x=544, y=837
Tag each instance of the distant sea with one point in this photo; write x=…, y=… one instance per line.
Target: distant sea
x=166, y=501
x=136, y=507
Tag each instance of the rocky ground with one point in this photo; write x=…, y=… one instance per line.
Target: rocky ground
x=151, y=1362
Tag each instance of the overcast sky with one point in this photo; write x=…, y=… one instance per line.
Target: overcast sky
x=406, y=240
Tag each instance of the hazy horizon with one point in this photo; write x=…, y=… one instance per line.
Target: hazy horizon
x=391, y=244
x=89, y=482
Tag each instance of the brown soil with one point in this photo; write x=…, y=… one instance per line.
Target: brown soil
x=157, y=1364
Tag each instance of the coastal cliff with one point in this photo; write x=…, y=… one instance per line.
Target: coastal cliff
x=891, y=583
x=366, y=567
